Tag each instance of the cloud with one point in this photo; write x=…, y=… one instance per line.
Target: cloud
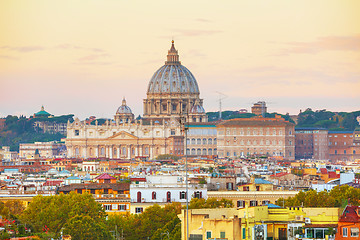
x=330, y=43
x=27, y=49
x=67, y=46
x=202, y=20
x=93, y=57
x=8, y=57
x=24, y=49
x=191, y=33
x=196, y=32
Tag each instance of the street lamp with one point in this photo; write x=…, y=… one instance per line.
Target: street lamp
x=184, y=129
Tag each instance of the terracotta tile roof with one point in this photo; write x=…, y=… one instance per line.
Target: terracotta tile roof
x=93, y=186
x=350, y=214
x=280, y=174
x=105, y=176
x=323, y=170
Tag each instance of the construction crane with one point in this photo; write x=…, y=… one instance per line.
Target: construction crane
x=222, y=96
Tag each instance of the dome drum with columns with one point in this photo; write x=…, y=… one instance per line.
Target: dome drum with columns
x=172, y=91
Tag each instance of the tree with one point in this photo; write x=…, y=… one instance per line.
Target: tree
x=339, y=196
x=16, y=207
x=146, y=225
x=198, y=203
x=54, y=213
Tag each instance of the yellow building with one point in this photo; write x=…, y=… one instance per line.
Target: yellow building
x=262, y=222
x=241, y=199
x=257, y=184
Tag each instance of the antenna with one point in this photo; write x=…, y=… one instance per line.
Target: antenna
x=222, y=96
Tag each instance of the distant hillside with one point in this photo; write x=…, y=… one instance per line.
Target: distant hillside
x=329, y=120
x=225, y=115
x=20, y=130
x=309, y=118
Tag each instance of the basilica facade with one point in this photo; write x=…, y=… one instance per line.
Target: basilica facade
x=172, y=95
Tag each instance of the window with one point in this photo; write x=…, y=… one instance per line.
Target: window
x=79, y=191
x=204, y=141
x=246, y=188
x=344, y=232
x=121, y=207
x=107, y=207
x=172, y=132
x=222, y=234
x=139, y=210
x=153, y=195
x=198, y=141
x=253, y=203
x=209, y=141
x=240, y=203
x=92, y=191
x=193, y=141
x=354, y=232
x=198, y=194
x=183, y=195
x=102, y=151
x=77, y=132
x=208, y=234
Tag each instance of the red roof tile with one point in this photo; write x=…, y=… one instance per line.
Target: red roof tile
x=323, y=170
x=105, y=176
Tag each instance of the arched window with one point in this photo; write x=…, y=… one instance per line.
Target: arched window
x=198, y=141
x=204, y=141
x=210, y=151
x=187, y=151
x=214, y=140
x=198, y=151
x=188, y=141
x=204, y=151
x=102, y=151
x=138, y=197
x=209, y=141
x=193, y=151
x=193, y=141
x=124, y=151
x=153, y=195
x=168, y=197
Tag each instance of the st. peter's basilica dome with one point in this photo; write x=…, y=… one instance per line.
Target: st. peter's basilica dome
x=173, y=91
x=173, y=77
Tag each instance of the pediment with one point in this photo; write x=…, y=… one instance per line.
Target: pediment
x=123, y=135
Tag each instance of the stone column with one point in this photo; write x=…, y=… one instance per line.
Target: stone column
x=141, y=150
x=129, y=152
x=118, y=152
x=151, y=147
x=110, y=152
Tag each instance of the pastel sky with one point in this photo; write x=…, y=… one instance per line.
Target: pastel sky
x=84, y=56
